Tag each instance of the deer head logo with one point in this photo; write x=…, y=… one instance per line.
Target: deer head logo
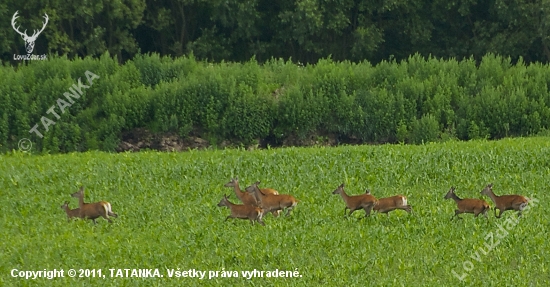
x=29, y=41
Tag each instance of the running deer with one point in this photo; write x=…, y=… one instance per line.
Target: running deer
x=252, y=212
x=355, y=202
x=93, y=210
x=247, y=198
x=272, y=202
x=387, y=204
x=468, y=205
x=505, y=202
x=70, y=212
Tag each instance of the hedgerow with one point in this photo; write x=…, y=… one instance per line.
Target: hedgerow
x=413, y=101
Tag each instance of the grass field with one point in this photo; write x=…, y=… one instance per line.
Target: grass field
x=168, y=218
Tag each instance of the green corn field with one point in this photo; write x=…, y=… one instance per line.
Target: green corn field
x=169, y=221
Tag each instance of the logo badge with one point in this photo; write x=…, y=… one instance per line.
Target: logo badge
x=29, y=40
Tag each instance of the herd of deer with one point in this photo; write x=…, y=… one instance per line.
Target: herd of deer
x=259, y=201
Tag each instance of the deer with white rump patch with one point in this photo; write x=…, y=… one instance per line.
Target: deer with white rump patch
x=387, y=204
x=505, y=202
x=246, y=197
x=93, y=210
x=272, y=202
x=242, y=211
x=468, y=205
x=355, y=202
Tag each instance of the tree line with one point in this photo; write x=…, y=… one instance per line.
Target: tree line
x=304, y=31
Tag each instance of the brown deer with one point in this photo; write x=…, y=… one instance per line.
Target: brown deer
x=505, y=202
x=93, y=210
x=247, y=198
x=70, y=212
x=242, y=211
x=387, y=204
x=272, y=202
x=468, y=205
x=355, y=202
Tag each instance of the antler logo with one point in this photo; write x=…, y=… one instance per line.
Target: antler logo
x=29, y=41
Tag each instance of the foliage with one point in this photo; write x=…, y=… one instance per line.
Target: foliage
x=413, y=101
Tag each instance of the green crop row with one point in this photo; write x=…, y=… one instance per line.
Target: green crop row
x=168, y=218
x=276, y=103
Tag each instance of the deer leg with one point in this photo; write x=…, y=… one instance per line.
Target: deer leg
x=288, y=210
x=500, y=213
x=259, y=219
x=104, y=215
x=457, y=212
x=368, y=210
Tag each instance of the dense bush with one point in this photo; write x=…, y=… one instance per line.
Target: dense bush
x=413, y=101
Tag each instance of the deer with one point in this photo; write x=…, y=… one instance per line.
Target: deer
x=387, y=204
x=272, y=202
x=29, y=40
x=242, y=211
x=93, y=210
x=468, y=205
x=70, y=212
x=355, y=202
x=505, y=202
x=247, y=198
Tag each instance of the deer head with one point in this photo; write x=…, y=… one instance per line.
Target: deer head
x=29, y=40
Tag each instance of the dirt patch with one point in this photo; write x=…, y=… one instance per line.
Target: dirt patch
x=311, y=140
x=139, y=139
